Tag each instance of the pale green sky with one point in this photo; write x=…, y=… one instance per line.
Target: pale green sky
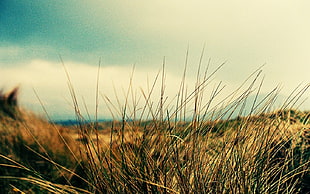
x=246, y=34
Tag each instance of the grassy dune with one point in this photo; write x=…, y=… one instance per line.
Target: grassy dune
x=264, y=152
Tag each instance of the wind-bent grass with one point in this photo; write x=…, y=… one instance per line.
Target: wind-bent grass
x=190, y=144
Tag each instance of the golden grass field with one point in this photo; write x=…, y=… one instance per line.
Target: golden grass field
x=265, y=152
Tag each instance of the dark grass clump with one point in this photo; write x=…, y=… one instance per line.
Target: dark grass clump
x=8, y=103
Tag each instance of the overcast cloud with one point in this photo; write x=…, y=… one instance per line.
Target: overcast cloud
x=246, y=34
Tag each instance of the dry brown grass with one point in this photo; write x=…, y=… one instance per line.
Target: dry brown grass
x=32, y=141
x=264, y=152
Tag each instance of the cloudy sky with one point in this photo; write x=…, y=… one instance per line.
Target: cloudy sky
x=244, y=34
